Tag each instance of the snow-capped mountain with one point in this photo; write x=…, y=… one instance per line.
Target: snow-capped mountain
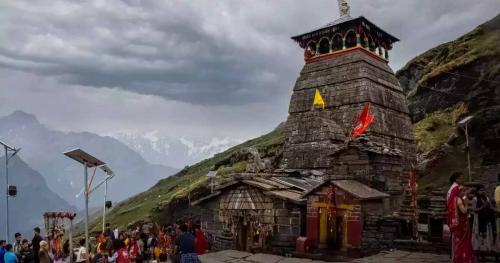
x=175, y=152
x=43, y=147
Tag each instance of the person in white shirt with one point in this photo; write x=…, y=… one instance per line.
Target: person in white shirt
x=81, y=255
x=116, y=233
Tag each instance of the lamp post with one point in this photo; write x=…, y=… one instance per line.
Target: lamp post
x=109, y=176
x=464, y=124
x=7, y=158
x=88, y=161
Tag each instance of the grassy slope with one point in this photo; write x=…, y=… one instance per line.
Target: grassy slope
x=147, y=205
x=433, y=131
x=482, y=42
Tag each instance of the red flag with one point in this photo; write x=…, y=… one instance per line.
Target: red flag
x=364, y=121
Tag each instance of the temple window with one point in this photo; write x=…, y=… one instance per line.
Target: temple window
x=363, y=40
x=324, y=46
x=372, y=45
x=311, y=48
x=337, y=43
x=350, y=39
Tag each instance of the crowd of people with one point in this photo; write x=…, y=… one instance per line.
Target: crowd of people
x=177, y=243
x=473, y=221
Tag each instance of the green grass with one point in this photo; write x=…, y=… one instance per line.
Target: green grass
x=482, y=42
x=435, y=129
x=147, y=206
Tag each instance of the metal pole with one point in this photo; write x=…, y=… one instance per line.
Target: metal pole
x=86, y=211
x=71, y=241
x=468, y=149
x=104, y=207
x=7, y=194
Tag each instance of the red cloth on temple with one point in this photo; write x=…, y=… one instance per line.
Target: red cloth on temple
x=364, y=121
x=201, y=242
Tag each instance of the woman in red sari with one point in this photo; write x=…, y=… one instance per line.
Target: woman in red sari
x=200, y=241
x=460, y=230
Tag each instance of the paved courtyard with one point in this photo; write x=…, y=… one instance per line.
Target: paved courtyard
x=233, y=256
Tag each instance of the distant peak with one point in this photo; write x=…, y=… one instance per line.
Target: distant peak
x=20, y=115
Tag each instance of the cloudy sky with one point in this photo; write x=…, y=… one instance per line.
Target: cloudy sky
x=198, y=70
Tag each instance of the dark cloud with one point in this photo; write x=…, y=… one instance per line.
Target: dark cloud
x=202, y=52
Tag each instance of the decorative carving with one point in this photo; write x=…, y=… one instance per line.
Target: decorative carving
x=344, y=8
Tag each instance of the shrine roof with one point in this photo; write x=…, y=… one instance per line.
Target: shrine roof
x=359, y=190
x=344, y=21
x=353, y=187
x=289, y=188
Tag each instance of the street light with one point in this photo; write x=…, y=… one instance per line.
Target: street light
x=7, y=158
x=109, y=176
x=465, y=123
x=88, y=161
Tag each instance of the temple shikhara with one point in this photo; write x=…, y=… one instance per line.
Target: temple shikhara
x=343, y=181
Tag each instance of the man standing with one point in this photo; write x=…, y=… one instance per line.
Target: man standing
x=35, y=242
x=2, y=250
x=17, y=245
x=26, y=255
x=186, y=246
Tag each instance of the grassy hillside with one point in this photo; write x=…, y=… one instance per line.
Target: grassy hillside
x=481, y=43
x=148, y=205
x=445, y=84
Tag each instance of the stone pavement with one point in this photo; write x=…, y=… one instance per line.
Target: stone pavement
x=233, y=256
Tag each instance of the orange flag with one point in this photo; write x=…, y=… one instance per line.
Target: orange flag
x=364, y=120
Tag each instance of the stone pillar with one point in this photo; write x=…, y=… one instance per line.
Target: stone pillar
x=331, y=46
x=358, y=40
x=367, y=43
x=343, y=43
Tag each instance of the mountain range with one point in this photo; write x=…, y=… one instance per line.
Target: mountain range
x=33, y=199
x=159, y=148
x=42, y=149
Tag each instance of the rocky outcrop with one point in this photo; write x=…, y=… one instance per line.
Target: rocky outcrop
x=447, y=83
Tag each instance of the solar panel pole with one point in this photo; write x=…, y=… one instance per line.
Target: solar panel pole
x=86, y=210
x=104, y=206
x=7, y=194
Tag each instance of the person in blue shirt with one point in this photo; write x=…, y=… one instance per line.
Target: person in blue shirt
x=9, y=256
x=2, y=250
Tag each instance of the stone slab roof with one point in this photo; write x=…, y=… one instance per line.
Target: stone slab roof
x=359, y=190
x=288, y=188
x=353, y=187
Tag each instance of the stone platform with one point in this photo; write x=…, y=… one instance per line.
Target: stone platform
x=233, y=256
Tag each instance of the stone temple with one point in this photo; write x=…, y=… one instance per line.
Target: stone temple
x=329, y=193
x=347, y=61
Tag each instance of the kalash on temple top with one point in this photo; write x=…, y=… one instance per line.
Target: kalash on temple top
x=343, y=35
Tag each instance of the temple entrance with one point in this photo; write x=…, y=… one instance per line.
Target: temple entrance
x=243, y=230
x=331, y=232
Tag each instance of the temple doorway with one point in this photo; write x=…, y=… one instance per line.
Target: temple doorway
x=243, y=230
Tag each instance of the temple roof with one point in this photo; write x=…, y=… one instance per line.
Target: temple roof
x=353, y=187
x=359, y=190
x=288, y=188
x=344, y=21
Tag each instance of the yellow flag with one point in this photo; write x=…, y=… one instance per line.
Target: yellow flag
x=318, y=100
